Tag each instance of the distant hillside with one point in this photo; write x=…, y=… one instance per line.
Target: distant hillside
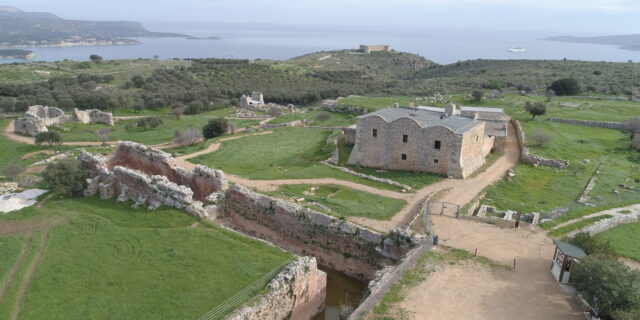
x=627, y=42
x=25, y=29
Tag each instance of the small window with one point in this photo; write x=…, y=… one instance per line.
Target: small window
x=435, y=160
x=403, y=156
x=477, y=137
x=375, y=132
x=405, y=138
x=438, y=144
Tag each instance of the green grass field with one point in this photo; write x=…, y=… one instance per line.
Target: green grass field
x=12, y=152
x=107, y=260
x=288, y=153
x=625, y=240
x=9, y=250
x=336, y=119
x=162, y=134
x=342, y=201
x=543, y=189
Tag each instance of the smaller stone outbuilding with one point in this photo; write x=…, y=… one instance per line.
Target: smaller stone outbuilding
x=374, y=48
x=564, y=260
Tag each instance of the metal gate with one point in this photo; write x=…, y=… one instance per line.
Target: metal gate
x=443, y=209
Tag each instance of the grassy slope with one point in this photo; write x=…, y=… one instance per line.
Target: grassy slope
x=336, y=119
x=625, y=240
x=111, y=261
x=11, y=151
x=288, y=153
x=343, y=201
x=9, y=250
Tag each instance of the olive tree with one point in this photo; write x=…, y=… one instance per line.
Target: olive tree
x=65, y=176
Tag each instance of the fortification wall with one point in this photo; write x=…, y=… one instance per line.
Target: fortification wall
x=29, y=125
x=203, y=181
x=588, y=123
x=92, y=116
x=374, y=48
x=338, y=244
x=527, y=157
x=297, y=292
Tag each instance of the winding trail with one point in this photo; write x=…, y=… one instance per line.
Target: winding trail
x=16, y=266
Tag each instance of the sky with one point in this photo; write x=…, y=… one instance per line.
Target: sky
x=557, y=17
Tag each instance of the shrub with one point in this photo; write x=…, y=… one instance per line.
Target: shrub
x=631, y=127
x=103, y=134
x=149, y=123
x=178, y=110
x=65, y=176
x=215, y=127
x=187, y=137
x=608, y=285
x=592, y=245
x=535, y=109
x=540, y=138
x=565, y=87
x=635, y=142
x=323, y=116
x=12, y=170
x=95, y=58
x=48, y=137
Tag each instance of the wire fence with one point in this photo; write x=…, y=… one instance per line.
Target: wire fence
x=243, y=295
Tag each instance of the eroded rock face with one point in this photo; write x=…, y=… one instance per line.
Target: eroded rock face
x=29, y=125
x=92, y=116
x=45, y=112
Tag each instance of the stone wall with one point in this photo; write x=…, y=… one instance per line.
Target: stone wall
x=203, y=181
x=298, y=292
x=150, y=177
x=599, y=124
x=92, y=116
x=527, y=157
x=29, y=125
x=337, y=244
x=374, y=48
x=606, y=224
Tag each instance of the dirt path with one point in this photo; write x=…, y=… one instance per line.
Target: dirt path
x=8, y=132
x=475, y=292
x=16, y=266
x=29, y=274
x=612, y=212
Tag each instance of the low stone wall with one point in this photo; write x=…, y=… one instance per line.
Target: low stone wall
x=599, y=98
x=368, y=177
x=337, y=244
x=92, y=116
x=345, y=109
x=203, y=181
x=297, y=292
x=527, y=157
x=29, y=125
x=606, y=224
x=588, y=123
x=297, y=123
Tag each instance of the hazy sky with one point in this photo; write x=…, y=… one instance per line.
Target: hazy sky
x=576, y=16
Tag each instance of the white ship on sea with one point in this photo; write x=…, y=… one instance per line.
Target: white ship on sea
x=516, y=49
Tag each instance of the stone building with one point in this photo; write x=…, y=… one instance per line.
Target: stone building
x=368, y=49
x=445, y=141
x=254, y=101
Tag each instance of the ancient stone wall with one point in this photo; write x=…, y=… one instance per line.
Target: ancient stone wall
x=29, y=125
x=92, y=116
x=606, y=224
x=203, y=181
x=527, y=157
x=473, y=151
x=350, y=135
x=298, y=292
x=337, y=244
x=588, y=123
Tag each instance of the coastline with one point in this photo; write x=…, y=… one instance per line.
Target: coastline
x=75, y=44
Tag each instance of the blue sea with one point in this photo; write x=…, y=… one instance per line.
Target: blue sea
x=267, y=41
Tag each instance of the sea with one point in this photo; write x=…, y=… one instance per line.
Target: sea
x=253, y=40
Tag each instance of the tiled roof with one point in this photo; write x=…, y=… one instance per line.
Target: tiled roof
x=426, y=118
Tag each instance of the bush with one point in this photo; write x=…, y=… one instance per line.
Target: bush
x=565, y=87
x=635, y=142
x=149, y=123
x=65, y=176
x=535, y=109
x=48, y=137
x=215, y=127
x=187, y=137
x=540, y=138
x=12, y=170
x=592, y=245
x=607, y=284
x=323, y=116
x=631, y=127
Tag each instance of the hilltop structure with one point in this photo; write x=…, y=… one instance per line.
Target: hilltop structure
x=38, y=117
x=445, y=141
x=375, y=48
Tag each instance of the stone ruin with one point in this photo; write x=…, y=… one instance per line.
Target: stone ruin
x=38, y=118
x=151, y=177
x=249, y=105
